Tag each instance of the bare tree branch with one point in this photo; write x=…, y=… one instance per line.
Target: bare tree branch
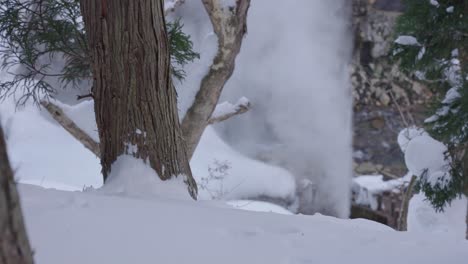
x=230, y=25
x=57, y=113
x=403, y=218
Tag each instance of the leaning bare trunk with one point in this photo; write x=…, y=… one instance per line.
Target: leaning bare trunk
x=135, y=100
x=230, y=25
x=14, y=245
x=402, y=224
x=57, y=113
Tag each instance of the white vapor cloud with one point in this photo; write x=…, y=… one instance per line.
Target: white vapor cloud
x=293, y=69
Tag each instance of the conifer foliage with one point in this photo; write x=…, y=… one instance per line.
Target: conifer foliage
x=35, y=32
x=432, y=43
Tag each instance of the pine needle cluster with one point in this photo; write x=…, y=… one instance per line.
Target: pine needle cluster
x=438, y=56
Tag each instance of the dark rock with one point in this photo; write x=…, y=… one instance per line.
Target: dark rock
x=389, y=5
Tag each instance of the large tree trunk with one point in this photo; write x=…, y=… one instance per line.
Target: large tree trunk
x=14, y=245
x=135, y=100
x=230, y=25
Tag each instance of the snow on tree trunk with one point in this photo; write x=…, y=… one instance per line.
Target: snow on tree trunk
x=135, y=100
x=14, y=245
x=230, y=25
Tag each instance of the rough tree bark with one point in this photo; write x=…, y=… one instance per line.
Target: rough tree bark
x=230, y=26
x=135, y=100
x=14, y=245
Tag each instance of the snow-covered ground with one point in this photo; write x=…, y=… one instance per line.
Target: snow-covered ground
x=90, y=227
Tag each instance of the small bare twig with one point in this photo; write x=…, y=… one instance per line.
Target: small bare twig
x=80, y=97
x=402, y=114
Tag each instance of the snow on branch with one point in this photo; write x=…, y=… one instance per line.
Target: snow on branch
x=227, y=110
x=407, y=41
x=57, y=113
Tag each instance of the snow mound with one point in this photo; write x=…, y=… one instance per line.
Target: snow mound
x=422, y=218
x=243, y=177
x=134, y=178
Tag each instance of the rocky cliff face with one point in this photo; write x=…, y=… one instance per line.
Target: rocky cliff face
x=375, y=78
x=381, y=91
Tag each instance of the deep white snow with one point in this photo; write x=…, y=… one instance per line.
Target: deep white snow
x=424, y=219
x=90, y=227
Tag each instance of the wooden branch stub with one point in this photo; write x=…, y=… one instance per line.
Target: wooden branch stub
x=79, y=97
